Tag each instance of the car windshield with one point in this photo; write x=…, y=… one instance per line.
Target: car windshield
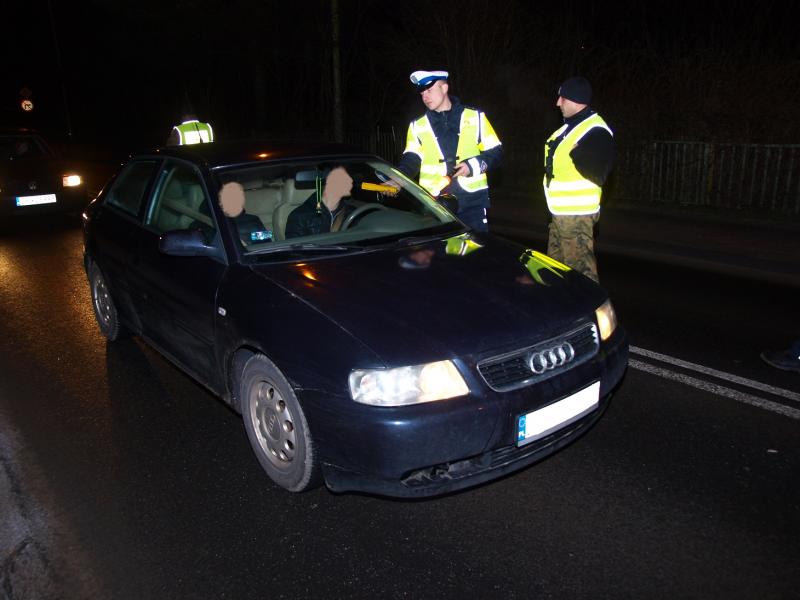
x=343, y=204
x=18, y=147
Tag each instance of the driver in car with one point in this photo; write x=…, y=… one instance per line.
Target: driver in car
x=317, y=215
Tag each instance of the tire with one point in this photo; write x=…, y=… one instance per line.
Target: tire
x=276, y=426
x=105, y=311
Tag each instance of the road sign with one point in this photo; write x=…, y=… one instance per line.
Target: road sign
x=26, y=105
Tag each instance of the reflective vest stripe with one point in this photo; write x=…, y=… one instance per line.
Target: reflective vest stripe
x=573, y=204
x=570, y=186
x=569, y=193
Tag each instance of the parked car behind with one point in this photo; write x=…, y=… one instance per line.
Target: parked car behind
x=399, y=354
x=34, y=179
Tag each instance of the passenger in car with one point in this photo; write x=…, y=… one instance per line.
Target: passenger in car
x=316, y=215
x=249, y=227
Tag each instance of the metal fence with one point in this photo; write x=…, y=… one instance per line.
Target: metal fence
x=759, y=177
x=385, y=144
x=763, y=177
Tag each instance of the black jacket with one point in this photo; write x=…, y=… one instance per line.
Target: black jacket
x=306, y=219
x=247, y=224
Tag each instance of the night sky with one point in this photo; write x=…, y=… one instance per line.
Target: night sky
x=121, y=73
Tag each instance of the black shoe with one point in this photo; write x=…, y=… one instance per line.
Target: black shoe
x=782, y=359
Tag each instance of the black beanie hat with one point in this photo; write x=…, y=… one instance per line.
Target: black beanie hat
x=576, y=89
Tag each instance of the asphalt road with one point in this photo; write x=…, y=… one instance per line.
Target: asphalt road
x=122, y=478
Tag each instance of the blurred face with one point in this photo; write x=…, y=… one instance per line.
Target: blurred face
x=568, y=107
x=231, y=199
x=337, y=185
x=435, y=98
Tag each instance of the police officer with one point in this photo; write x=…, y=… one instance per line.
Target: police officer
x=578, y=159
x=190, y=131
x=451, y=147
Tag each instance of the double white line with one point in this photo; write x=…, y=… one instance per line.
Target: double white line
x=714, y=388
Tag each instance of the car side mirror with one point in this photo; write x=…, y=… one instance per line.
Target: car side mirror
x=185, y=242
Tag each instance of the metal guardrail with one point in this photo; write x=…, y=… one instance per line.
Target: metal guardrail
x=764, y=177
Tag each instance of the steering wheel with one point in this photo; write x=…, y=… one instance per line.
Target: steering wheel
x=356, y=214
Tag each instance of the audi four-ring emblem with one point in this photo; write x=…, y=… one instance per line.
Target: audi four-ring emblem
x=550, y=358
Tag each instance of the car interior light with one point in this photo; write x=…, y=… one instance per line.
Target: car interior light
x=71, y=180
x=407, y=385
x=606, y=320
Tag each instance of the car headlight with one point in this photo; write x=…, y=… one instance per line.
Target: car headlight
x=71, y=180
x=606, y=320
x=407, y=385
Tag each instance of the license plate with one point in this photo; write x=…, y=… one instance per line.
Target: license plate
x=542, y=422
x=40, y=199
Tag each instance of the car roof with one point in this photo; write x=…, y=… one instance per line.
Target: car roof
x=232, y=153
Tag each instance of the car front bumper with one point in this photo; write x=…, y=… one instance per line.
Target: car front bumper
x=436, y=449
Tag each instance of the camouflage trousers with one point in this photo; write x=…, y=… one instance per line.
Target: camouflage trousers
x=571, y=241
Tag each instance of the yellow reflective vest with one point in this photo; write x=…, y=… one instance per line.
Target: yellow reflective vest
x=194, y=132
x=476, y=134
x=569, y=193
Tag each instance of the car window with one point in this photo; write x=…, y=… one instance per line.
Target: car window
x=291, y=203
x=129, y=187
x=180, y=202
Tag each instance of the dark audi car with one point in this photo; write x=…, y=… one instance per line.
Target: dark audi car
x=34, y=179
x=391, y=351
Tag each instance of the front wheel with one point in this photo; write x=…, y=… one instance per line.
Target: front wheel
x=276, y=426
x=105, y=311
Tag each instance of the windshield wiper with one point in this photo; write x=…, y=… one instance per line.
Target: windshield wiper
x=422, y=239
x=307, y=247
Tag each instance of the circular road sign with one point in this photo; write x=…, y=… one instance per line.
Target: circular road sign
x=26, y=105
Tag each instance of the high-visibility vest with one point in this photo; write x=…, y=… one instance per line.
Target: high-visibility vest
x=569, y=193
x=194, y=132
x=476, y=134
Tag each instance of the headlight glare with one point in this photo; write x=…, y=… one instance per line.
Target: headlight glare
x=407, y=385
x=606, y=320
x=71, y=180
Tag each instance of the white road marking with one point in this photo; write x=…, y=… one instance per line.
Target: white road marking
x=718, y=374
x=720, y=390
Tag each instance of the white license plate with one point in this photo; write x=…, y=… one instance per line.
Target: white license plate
x=31, y=200
x=545, y=421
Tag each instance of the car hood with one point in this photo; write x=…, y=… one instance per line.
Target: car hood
x=466, y=295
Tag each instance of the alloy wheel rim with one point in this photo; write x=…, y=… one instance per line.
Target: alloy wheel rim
x=102, y=302
x=274, y=425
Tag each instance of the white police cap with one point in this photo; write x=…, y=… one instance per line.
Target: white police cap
x=425, y=79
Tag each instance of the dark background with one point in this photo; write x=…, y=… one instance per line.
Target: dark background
x=120, y=74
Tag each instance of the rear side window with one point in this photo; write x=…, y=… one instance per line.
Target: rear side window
x=128, y=191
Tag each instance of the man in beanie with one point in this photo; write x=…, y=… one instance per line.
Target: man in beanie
x=451, y=147
x=578, y=157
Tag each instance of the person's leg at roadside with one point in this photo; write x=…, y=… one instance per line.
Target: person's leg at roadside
x=574, y=241
x=475, y=217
